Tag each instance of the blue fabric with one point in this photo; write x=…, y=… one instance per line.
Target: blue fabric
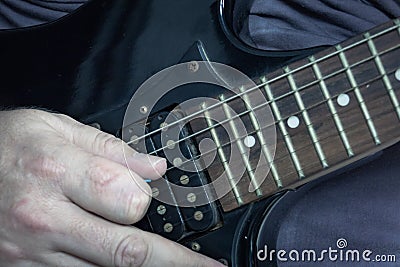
x=296, y=24
x=362, y=206
x=24, y=13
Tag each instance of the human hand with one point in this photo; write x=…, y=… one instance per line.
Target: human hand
x=66, y=197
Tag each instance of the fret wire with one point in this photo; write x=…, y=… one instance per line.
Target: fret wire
x=280, y=97
x=261, y=139
x=278, y=189
x=385, y=51
x=359, y=96
x=341, y=132
x=240, y=195
x=279, y=158
x=283, y=76
x=322, y=140
x=307, y=119
x=240, y=145
x=222, y=156
x=397, y=26
x=382, y=71
x=246, y=112
x=332, y=74
x=286, y=136
x=332, y=108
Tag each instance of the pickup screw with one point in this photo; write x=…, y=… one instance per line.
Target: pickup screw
x=170, y=144
x=164, y=126
x=161, y=210
x=184, y=179
x=198, y=215
x=191, y=197
x=134, y=139
x=193, y=66
x=155, y=192
x=143, y=109
x=177, y=162
x=196, y=246
x=168, y=228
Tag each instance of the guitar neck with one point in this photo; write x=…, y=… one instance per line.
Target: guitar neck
x=330, y=110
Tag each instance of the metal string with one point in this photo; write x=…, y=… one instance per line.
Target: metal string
x=291, y=72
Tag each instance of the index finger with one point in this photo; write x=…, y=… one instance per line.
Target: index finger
x=108, y=146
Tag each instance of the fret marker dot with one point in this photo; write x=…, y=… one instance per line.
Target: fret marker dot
x=249, y=141
x=343, y=100
x=293, y=122
x=397, y=74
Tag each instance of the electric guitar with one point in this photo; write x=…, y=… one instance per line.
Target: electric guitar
x=331, y=107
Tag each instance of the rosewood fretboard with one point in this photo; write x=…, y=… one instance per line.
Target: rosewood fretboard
x=330, y=109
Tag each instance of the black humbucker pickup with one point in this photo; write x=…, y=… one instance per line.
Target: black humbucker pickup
x=172, y=221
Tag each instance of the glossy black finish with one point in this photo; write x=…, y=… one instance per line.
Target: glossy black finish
x=89, y=64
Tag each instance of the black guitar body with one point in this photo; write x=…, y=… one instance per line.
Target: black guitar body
x=89, y=64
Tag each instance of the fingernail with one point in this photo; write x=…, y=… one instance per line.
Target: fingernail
x=153, y=160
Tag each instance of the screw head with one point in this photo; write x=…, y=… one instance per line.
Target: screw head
x=164, y=126
x=155, y=192
x=143, y=109
x=171, y=144
x=168, y=227
x=161, y=210
x=184, y=179
x=177, y=162
x=193, y=66
x=191, y=197
x=198, y=215
x=195, y=246
x=134, y=139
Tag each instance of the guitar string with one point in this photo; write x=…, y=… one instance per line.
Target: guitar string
x=303, y=148
x=179, y=223
x=274, y=124
x=312, y=106
x=274, y=79
x=206, y=212
x=236, y=116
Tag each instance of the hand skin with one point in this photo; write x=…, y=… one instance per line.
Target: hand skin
x=67, y=197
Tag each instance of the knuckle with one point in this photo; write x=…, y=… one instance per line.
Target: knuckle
x=45, y=167
x=107, y=142
x=25, y=216
x=101, y=175
x=131, y=251
x=10, y=251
